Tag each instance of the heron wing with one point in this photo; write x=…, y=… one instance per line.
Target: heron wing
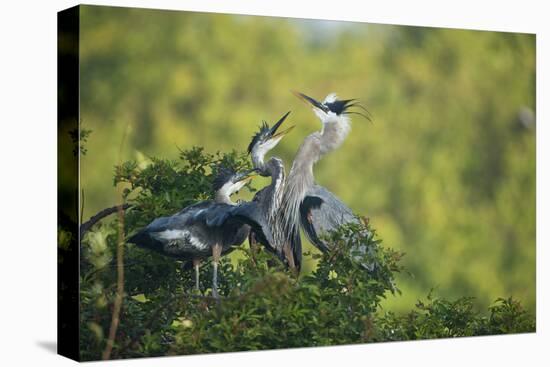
x=214, y=215
x=251, y=214
x=179, y=235
x=143, y=238
x=321, y=212
x=217, y=223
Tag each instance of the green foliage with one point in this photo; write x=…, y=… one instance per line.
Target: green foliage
x=79, y=138
x=440, y=318
x=267, y=308
x=165, y=186
x=263, y=305
x=160, y=187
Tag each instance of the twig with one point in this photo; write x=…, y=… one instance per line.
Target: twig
x=115, y=319
x=81, y=207
x=85, y=227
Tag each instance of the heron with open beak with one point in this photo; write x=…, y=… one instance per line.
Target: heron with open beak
x=306, y=204
x=267, y=201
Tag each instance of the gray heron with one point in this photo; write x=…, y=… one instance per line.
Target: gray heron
x=204, y=229
x=306, y=204
x=268, y=199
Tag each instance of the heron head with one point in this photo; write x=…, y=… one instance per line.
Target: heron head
x=268, y=137
x=228, y=181
x=333, y=108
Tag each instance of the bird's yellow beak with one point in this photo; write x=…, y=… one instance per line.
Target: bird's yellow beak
x=247, y=179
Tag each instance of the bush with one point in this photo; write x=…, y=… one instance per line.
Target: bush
x=440, y=318
x=263, y=305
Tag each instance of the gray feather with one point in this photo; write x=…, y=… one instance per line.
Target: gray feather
x=192, y=232
x=322, y=212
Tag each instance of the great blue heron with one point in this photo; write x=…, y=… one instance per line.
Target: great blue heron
x=316, y=209
x=203, y=229
x=268, y=199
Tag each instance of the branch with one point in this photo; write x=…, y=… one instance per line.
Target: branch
x=85, y=227
x=115, y=320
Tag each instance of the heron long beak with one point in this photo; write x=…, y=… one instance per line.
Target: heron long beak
x=248, y=179
x=278, y=124
x=248, y=176
x=315, y=103
x=283, y=133
x=280, y=134
x=242, y=181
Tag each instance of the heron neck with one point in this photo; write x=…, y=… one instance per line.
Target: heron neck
x=276, y=169
x=258, y=163
x=315, y=146
x=223, y=197
x=300, y=177
x=299, y=181
x=273, y=168
x=333, y=134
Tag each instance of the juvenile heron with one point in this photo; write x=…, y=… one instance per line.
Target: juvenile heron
x=316, y=209
x=268, y=199
x=203, y=229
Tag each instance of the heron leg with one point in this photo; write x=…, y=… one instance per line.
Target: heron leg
x=196, y=264
x=216, y=254
x=289, y=256
x=309, y=217
x=253, y=245
x=253, y=242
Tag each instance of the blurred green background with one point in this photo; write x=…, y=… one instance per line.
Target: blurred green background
x=446, y=171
